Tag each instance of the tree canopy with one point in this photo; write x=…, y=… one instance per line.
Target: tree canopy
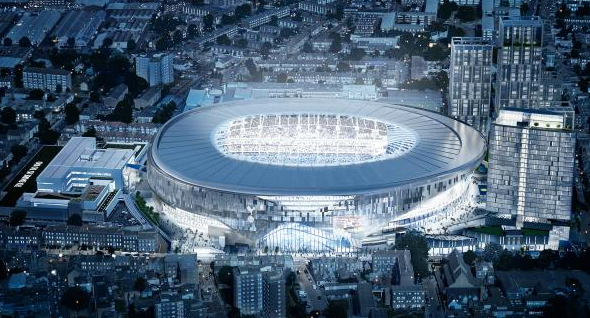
x=17, y=217
x=75, y=298
x=72, y=113
x=416, y=243
x=75, y=219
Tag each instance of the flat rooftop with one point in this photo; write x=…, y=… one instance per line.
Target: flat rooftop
x=81, y=153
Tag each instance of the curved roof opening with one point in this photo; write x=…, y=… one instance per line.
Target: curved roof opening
x=311, y=139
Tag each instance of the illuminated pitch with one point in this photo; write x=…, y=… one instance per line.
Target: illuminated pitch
x=312, y=139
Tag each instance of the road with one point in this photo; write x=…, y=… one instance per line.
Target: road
x=433, y=305
x=206, y=282
x=315, y=298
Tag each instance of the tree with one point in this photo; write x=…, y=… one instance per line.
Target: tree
x=3, y=270
x=131, y=45
x=243, y=43
x=436, y=53
x=356, y=54
x=164, y=42
x=177, y=37
x=140, y=284
x=546, y=259
x=226, y=275
x=7, y=42
x=227, y=19
x=265, y=48
x=562, y=306
x=491, y=252
x=72, y=113
x=343, y=67
x=336, y=45
x=524, y=8
x=446, y=9
x=274, y=20
x=394, y=53
x=192, y=31
x=583, y=10
x=242, y=11
x=75, y=298
x=466, y=13
x=107, y=42
x=8, y=116
x=94, y=97
x=505, y=261
x=282, y=78
x=24, y=42
x=90, y=132
x=469, y=257
x=307, y=48
x=223, y=40
x=416, y=243
x=123, y=112
x=336, y=309
x=164, y=114
x=208, y=21
x=441, y=80
x=75, y=219
x=36, y=94
x=46, y=135
x=18, y=152
x=18, y=76
x=17, y=217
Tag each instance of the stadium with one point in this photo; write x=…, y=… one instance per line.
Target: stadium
x=308, y=174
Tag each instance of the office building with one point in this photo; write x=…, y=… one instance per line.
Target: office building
x=531, y=166
x=82, y=175
x=156, y=69
x=471, y=81
x=47, y=79
x=248, y=290
x=518, y=79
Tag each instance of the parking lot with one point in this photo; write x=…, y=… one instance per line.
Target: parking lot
x=121, y=216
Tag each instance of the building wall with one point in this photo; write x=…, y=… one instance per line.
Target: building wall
x=471, y=81
x=248, y=292
x=519, y=62
x=531, y=172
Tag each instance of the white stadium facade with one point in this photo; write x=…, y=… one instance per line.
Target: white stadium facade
x=307, y=174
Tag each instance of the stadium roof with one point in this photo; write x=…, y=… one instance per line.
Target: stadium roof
x=184, y=149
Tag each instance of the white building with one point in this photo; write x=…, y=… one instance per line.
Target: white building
x=47, y=79
x=156, y=69
x=84, y=175
x=531, y=166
